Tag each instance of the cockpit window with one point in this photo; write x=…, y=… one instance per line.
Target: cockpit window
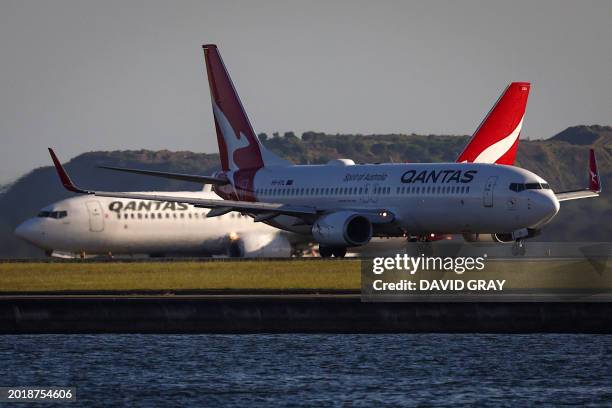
x=518, y=187
x=52, y=214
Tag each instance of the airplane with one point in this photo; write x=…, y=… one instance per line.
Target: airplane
x=86, y=226
x=342, y=204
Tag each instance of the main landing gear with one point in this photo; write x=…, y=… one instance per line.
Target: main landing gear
x=518, y=248
x=327, y=252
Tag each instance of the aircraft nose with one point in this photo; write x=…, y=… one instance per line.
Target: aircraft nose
x=548, y=206
x=30, y=231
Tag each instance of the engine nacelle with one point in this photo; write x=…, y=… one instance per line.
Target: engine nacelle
x=342, y=228
x=256, y=245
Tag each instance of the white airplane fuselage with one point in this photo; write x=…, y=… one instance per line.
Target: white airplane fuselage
x=448, y=198
x=102, y=225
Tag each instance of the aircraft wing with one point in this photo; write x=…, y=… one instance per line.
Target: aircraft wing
x=594, y=184
x=262, y=211
x=174, y=176
x=219, y=207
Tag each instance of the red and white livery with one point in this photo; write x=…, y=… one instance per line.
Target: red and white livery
x=342, y=204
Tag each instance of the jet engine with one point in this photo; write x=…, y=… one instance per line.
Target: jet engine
x=257, y=245
x=342, y=229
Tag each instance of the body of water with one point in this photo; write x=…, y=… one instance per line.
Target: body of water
x=315, y=370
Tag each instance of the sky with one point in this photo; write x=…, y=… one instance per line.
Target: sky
x=112, y=75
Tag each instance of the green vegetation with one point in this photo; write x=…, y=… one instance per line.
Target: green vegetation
x=303, y=274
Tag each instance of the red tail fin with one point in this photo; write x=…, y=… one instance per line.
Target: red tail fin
x=496, y=139
x=238, y=145
x=239, y=148
x=594, y=182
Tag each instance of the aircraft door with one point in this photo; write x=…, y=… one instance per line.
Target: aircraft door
x=488, y=192
x=96, y=216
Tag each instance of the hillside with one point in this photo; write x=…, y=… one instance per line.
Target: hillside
x=562, y=160
x=586, y=135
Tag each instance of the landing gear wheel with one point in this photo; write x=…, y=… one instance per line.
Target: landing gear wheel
x=339, y=252
x=518, y=249
x=325, y=252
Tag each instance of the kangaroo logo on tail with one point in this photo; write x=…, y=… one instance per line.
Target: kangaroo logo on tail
x=496, y=139
x=240, y=151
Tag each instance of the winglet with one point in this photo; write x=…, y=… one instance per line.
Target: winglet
x=65, y=179
x=594, y=182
